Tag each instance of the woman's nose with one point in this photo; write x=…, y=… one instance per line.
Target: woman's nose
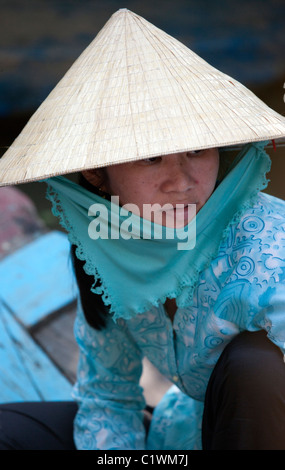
x=178, y=175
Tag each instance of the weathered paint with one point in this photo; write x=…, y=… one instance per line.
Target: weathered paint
x=26, y=372
x=38, y=279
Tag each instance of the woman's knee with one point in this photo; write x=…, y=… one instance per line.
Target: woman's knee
x=9, y=428
x=37, y=426
x=252, y=362
x=249, y=379
x=245, y=399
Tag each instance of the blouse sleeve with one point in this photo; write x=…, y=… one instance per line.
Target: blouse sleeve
x=107, y=390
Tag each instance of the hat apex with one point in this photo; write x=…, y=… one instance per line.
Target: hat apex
x=135, y=92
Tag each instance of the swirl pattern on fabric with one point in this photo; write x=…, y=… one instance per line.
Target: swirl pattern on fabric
x=242, y=289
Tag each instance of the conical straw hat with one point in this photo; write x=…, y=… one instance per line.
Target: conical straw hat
x=135, y=92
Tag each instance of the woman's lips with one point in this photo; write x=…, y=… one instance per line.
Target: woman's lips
x=180, y=215
x=171, y=215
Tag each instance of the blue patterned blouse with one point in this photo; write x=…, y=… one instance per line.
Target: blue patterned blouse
x=250, y=263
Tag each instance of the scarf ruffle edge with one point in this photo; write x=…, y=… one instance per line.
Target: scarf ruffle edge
x=99, y=286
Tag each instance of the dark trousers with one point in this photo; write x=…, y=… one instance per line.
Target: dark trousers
x=244, y=406
x=245, y=398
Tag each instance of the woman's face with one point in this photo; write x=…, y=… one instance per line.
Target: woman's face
x=182, y=178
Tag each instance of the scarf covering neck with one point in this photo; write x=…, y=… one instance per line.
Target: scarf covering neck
x=133, y=275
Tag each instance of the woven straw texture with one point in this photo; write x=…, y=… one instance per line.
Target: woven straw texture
x=135, y=92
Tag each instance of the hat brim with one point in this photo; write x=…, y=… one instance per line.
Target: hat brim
x=134, y=93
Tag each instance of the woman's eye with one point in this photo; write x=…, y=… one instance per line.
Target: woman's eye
x=193, y=152
x=150, y=160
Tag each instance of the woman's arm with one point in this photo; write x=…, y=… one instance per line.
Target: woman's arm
x=108, y=393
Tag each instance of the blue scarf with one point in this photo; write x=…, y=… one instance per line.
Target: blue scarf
x=143, y=271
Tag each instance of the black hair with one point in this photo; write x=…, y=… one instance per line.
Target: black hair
x=94, y=309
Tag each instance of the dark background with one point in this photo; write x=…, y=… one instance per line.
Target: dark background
x=40, y=39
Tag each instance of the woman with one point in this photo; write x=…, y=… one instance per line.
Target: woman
x=199, y=335
x=203, y=300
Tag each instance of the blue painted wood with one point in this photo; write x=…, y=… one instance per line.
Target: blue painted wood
x=26, y=373
x=38, y=279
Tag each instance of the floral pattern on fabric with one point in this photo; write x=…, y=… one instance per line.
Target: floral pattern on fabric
x=243, y=289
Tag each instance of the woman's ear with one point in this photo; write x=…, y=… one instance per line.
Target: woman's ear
x=96, y=178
